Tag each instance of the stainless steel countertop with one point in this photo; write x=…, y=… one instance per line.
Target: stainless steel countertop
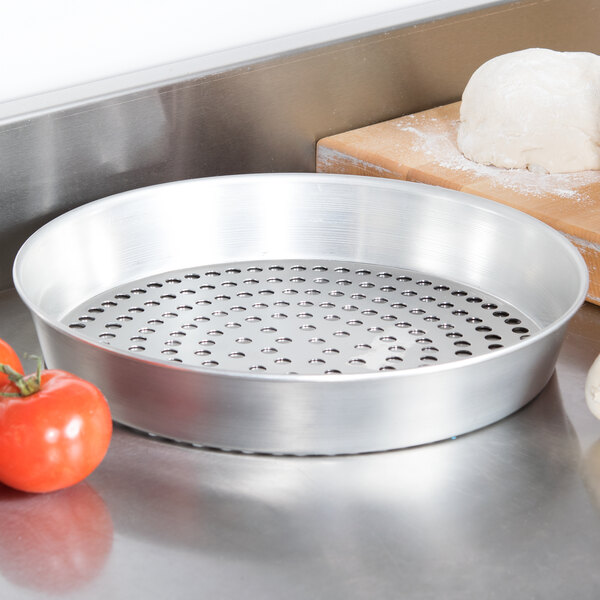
x=510, y=511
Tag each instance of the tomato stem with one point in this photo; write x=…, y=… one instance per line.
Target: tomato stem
x=25, y=384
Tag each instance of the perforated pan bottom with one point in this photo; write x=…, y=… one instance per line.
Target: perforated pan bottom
x=300, y=317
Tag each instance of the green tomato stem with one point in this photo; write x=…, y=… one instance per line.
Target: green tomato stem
x=25, y=384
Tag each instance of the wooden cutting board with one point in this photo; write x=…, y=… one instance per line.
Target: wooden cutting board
x=422, y=147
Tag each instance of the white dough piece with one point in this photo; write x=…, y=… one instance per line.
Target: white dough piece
x=592, y=388
x=535, y=109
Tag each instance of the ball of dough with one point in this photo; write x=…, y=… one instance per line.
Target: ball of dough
x=535, y=109
x=592, y=388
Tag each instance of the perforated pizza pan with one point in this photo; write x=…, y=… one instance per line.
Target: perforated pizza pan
x=302, y=314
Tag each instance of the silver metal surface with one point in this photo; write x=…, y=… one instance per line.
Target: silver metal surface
x=469, y=245
x=307, y=317
x=70, y=147
x=509, y=511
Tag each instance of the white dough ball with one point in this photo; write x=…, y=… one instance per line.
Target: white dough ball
x=592, y=388
x=534, y=109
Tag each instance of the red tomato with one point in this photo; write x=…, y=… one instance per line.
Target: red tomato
x=55, y=436
x=8, y=357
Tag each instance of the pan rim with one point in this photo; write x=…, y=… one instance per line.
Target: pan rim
x=479, y=203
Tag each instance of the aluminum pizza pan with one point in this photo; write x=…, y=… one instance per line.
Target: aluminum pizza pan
x=302, y=313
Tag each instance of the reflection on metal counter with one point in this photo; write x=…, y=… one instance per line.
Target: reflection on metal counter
x=54, y=543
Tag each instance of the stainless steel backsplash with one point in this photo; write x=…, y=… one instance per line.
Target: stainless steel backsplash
x=259, y=117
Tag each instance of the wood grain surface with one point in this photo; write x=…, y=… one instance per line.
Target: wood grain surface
x=422, y=147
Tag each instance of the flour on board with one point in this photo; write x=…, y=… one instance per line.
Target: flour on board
x=440, y=146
